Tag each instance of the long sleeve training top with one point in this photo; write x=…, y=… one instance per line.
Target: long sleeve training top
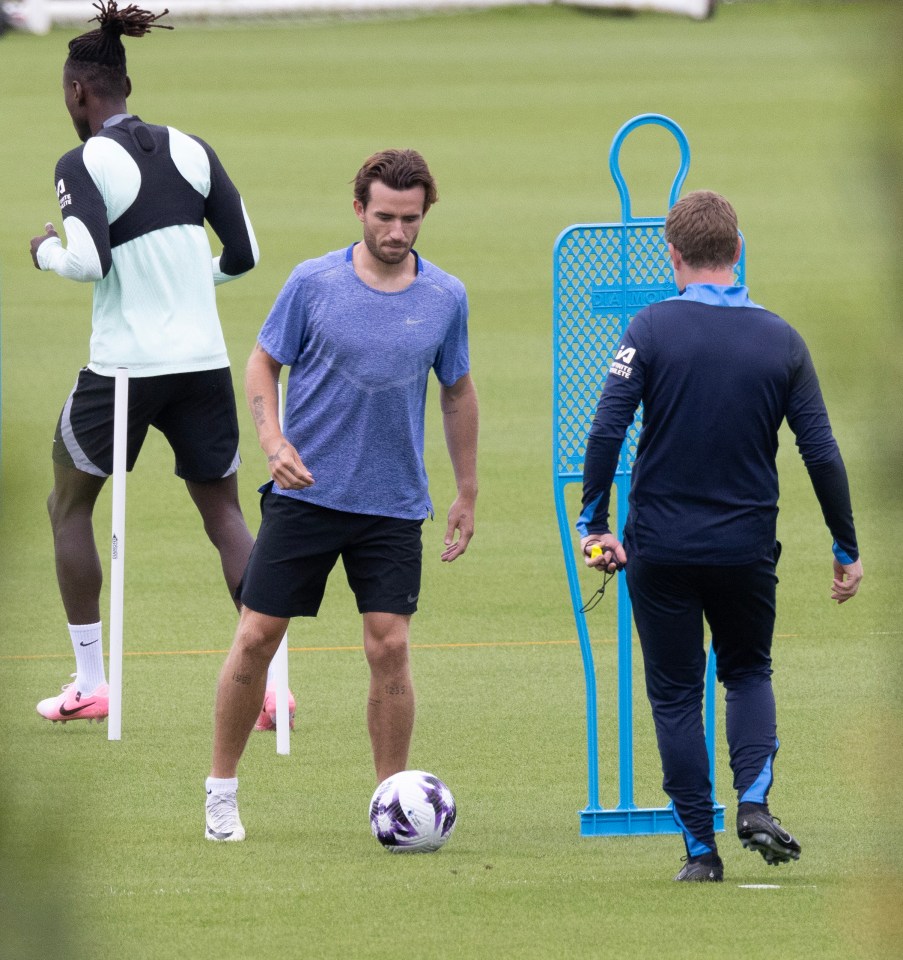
x=717, y=375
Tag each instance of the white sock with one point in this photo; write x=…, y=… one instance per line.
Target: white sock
x=88, y=647
x=224, y=785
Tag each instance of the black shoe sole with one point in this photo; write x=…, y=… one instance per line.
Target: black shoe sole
x=772, y=850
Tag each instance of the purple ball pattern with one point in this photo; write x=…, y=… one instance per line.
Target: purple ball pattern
x=412, y=812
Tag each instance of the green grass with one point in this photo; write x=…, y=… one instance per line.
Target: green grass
x=792, y=110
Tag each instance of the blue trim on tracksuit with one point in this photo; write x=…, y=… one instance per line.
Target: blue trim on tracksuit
x=758, y=791
x=841, y=554
x=586, y=516
x=695, y=848
x=716, y=295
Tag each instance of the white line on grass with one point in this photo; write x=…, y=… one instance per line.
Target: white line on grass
x=775, y=886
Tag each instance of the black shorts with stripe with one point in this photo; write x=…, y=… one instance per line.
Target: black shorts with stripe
x=194, y=411
x=299, y=543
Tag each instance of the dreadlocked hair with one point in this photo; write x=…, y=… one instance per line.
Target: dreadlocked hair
x=104, y=46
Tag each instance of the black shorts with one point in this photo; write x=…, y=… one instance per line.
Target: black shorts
x=194, y=411
x=299, y=543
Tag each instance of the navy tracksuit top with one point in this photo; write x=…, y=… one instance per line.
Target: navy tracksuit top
x=717, y=375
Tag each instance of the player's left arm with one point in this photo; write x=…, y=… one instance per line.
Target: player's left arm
x=460, y=419
x=225, y=212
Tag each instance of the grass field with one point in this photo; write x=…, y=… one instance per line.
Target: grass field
x=793, y=111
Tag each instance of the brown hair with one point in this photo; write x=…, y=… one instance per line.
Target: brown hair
x=703, y=227
x=398, y=170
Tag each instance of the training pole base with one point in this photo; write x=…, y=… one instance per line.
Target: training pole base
x=636, y=822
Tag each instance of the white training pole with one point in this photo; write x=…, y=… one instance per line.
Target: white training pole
x=280, y=668
x=117, y=565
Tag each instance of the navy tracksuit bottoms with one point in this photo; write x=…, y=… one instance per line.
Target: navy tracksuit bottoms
x=670, y=605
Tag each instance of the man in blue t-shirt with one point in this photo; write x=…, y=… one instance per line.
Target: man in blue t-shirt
x=717, y=375
x=360, y=329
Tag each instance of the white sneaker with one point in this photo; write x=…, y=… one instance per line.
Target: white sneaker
x=223, y=822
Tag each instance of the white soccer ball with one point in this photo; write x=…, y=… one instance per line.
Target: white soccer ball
x=412, y=812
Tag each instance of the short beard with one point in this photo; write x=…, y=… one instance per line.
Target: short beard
x=395, y=256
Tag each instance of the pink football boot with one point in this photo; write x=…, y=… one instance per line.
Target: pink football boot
x=267, y=718
x=72, y=704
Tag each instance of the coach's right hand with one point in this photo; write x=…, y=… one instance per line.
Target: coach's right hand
x=612, y=557
x=287, y=468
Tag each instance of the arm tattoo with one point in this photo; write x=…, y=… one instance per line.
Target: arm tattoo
x=257, y=410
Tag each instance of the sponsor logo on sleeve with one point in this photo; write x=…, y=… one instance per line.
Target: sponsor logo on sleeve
x=621, y=364
x=64, y=198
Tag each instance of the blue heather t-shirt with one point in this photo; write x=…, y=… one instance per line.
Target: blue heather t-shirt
x=359, y=362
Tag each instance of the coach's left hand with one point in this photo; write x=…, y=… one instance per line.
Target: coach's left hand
x=847, y=577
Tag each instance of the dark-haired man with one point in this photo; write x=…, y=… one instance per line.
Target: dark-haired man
x=717, y=375
x=134, y=198
x=360, y=329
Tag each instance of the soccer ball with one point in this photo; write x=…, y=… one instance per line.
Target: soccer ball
x=412, y=812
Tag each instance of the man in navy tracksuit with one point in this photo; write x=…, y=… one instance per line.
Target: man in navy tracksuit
x=717, y=375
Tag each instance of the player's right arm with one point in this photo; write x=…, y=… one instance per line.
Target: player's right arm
x=87, y=256
x=261, y=377
x=620, y=398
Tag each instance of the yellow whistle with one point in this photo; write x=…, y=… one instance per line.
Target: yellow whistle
x=596, y=551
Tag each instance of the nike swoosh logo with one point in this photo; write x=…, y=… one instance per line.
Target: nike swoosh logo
x=412, y=599
x=219, y=836
x=82, y=643
x=68, y=713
